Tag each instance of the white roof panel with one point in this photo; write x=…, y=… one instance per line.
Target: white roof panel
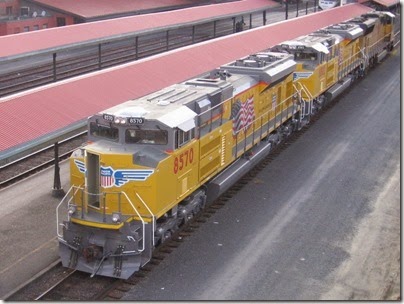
x=320, y=47
x=182, y=118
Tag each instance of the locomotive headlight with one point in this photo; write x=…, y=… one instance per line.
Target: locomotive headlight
x=116, y=217
x=71, y=209
x=120, y=120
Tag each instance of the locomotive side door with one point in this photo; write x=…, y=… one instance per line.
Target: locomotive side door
x=92, y=179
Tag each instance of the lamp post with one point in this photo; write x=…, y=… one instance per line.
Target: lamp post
x=57, y=190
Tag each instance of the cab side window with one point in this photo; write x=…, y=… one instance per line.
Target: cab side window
x=182, y=137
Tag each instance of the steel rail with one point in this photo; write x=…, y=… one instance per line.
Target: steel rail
x=70, y=272
x=44, y=164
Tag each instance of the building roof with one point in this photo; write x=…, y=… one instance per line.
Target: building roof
x=95, y=8
x=34, y=114
x=54, y=38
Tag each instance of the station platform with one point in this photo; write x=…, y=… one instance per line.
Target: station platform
x=28, y=228
x=50, y=40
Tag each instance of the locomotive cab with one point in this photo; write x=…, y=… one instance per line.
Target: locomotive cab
x=316, y=66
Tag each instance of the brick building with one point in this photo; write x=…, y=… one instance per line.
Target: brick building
x=17, y=16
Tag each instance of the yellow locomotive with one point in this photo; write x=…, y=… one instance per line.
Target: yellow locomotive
x=152, y=163
x=328, y=60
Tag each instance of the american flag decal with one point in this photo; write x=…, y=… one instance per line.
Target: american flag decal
x=242, y=114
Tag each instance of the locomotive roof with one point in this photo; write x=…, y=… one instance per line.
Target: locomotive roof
x=265, y=66
x=378, y=14
x=346, y=30
x=326, y=37
x=364, y=21
x=157, y=104
x=179, y=103
x=316, y=41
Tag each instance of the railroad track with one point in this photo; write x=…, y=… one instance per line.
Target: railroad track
x=37, y=161
x=62, y=284
x=63, y=279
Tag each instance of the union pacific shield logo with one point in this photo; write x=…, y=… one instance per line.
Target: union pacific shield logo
x=117, y=178
x=299, y=75
x=110, y=177
x=107, y=177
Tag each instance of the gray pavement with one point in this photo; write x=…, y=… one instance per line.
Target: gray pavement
x=28, y=228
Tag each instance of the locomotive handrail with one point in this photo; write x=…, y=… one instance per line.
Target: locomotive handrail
x=365, y=56
x=151, y=213
x=352, y=62
x=72, y=188
x=302, y=104
x=57, y=210
x=141, y=219
x=307, y=92
x=210, y=111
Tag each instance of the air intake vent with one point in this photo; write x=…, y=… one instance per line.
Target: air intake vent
x=251, y=63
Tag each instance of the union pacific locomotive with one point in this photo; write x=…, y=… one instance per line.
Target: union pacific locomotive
x=152, y=163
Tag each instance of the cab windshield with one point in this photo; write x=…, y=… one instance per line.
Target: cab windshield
x=102, y=131
x=154, y=137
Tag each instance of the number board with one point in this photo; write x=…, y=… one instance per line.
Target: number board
x=136, y=120
x=108, y=117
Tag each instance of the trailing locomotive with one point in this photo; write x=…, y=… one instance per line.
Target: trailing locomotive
x=152, y=163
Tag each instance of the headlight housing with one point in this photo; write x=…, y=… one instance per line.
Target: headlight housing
x=116, y=217
x=72, y=209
